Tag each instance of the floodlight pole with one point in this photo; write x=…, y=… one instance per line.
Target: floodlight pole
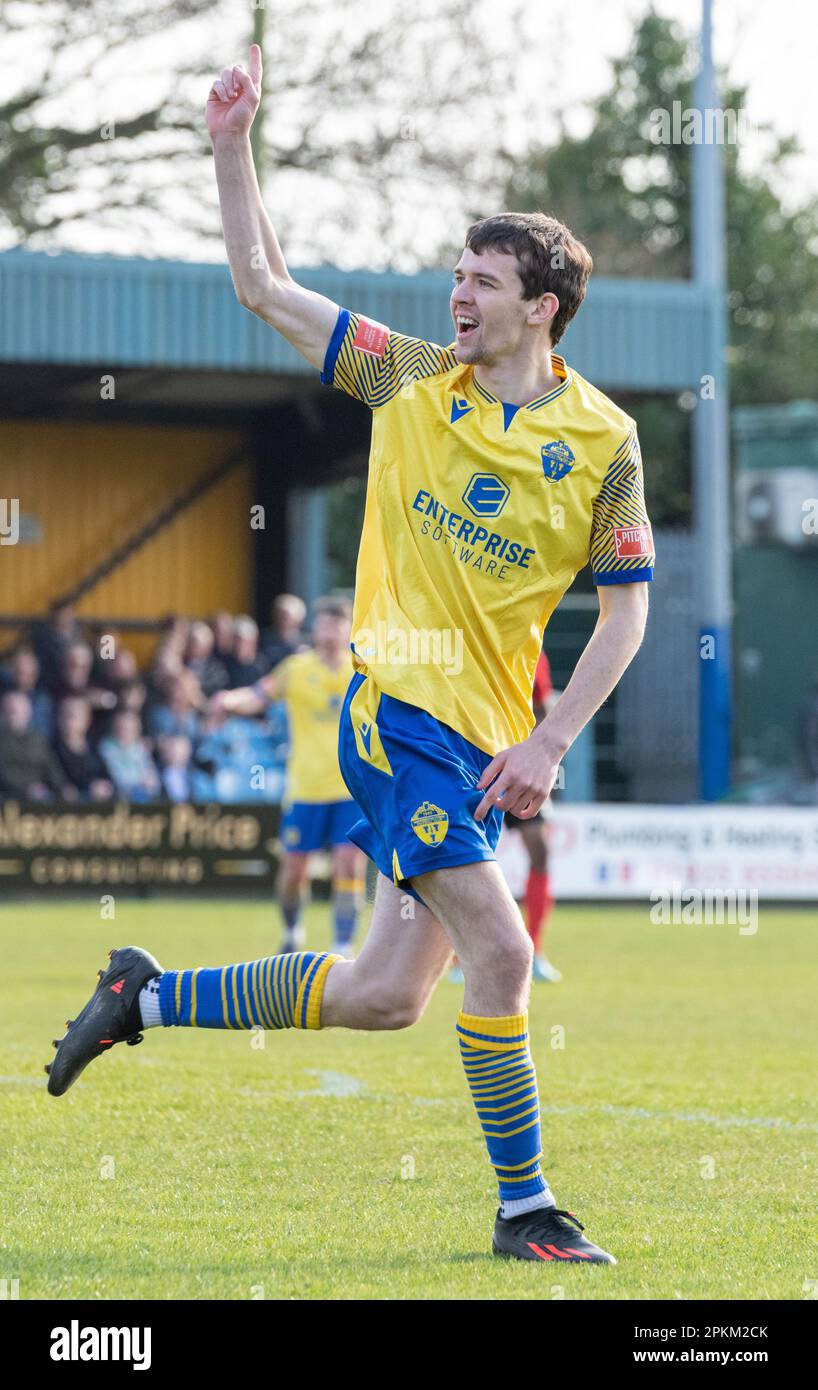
x=711, y=426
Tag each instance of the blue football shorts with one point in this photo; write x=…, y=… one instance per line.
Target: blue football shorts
x=414, y=783
x=312, y=825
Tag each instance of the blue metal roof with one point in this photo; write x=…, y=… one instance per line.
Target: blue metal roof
x=71, y=308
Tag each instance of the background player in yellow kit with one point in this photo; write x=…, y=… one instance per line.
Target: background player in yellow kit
x=496, y=473
x=318, y=810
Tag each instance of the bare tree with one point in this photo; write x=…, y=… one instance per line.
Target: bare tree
x=373, y=115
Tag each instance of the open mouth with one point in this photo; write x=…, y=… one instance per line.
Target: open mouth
x=466, y=327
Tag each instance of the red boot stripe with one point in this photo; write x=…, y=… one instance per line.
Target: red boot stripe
x=557, y=1252
x=582, y=1254
x=117, y=988
x=538, y=1251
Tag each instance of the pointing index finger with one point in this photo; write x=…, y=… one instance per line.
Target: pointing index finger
x=255, y=63
x=488, y=774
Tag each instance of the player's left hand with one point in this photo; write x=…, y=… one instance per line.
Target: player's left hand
x=519, y=779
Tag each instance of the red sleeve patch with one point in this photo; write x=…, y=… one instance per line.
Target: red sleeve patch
x=371, y=337
x=631, y=541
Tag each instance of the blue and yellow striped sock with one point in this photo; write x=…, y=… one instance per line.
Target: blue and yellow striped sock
x=277, y=992
x=503, y=1084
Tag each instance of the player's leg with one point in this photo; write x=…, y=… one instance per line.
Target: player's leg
x=476, y=910
x=538, y=897
x=482, y=921
x=293, y=877
x=387, y=987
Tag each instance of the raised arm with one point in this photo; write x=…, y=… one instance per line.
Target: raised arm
x=260, y=276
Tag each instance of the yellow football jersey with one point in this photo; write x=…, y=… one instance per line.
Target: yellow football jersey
x=313, y=695
x=479, y=514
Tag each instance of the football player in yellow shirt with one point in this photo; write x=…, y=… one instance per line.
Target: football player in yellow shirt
x=318, y=811
x=496, y=473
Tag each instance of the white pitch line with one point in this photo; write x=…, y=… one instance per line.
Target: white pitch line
x=637, y=1112
x=338, y=1085
x=334, y=1083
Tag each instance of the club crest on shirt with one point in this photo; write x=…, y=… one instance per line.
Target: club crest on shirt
x=430, y=823
x=557, y=460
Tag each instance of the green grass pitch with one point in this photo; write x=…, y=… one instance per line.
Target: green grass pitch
x=680, y=1123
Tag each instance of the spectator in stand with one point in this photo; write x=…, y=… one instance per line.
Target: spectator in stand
x=117, y=673
x=285, y=637
x=168, y=658
x=133, y=697
x=208, y=669
x=246, y=665
x=28, y=768
x=82, y=766
x=22, y=673
x=50, y=639
x=223, y=632
x=175, y=754
x=74, y=678
x=174, y=635
x=166, y=665
x=128, y=760
x=177, y=713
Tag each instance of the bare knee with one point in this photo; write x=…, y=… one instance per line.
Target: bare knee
x=389, y=1007
x=505, y=961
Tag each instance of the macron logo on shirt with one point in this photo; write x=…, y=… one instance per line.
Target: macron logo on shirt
x=460, y=408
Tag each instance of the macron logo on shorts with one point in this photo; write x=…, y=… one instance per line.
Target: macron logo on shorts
x=631, y=541
x=371, y=337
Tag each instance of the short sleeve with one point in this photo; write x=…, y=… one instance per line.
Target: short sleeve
x=373, y=363
x=621, y=539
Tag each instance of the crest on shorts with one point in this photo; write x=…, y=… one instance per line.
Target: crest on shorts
x=430, y=823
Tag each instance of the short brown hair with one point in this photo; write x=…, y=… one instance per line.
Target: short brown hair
x=334, y=606
x=533, y=238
